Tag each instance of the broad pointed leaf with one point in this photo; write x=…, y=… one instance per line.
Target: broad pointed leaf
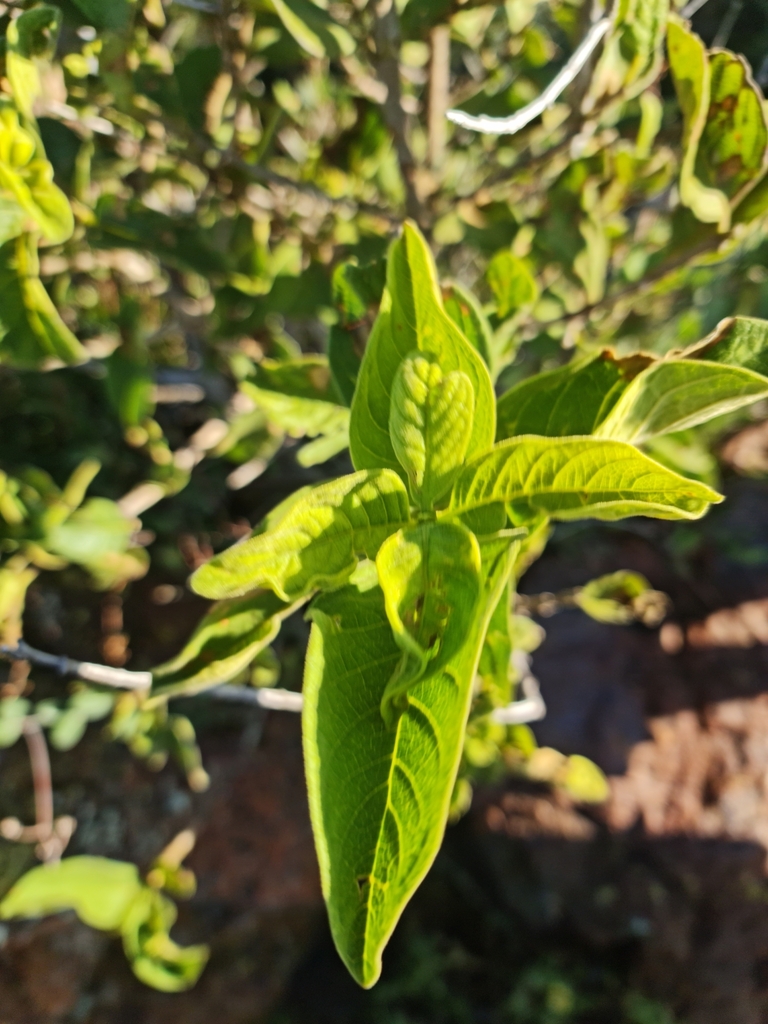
x=225, y=642
x=573, y=399
x=430, y=576
x=316, y=543
x=675, y=394
x=736, y=341
x=412, y=317
x=576, y=478
x=379, y=797
x=430, y=423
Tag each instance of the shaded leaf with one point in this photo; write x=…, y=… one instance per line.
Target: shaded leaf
x=313, y=29
x=344, y=362
x=736, y=341
x=317, y=542
x=577, y=478
x=31, y=330
x=464, y=309
x=511, y=282
x=574, y=399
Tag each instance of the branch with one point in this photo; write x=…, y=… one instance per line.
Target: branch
x=119, y=678
x=270, y=699
x=511, y=125
x=50, y=835
x=532, y=707
x=386, y=36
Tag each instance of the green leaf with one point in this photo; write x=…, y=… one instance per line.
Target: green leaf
x=100, y=891
x=225, y=643
x=26, y=181
x=155, y=958
x=344, y=362
x=297, y=395
x=317, y=543
x=430, y=577
x=736, y=341
x=357, y=289
x=115, y=15
x=430, y=424
x=571, y=400
x=691, y=74
x=31, y=331
x=674, y=394
x=511, y=282
x=633, y=52
x=13, y=711
x=576, y=478
x=732, y=149
x=379, y=797
x=96, y=529
x=465, y=311
x=313, y=29
x=412, y=317
x=31, y=36
x=613, y=598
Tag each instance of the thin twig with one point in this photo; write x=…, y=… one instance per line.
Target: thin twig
x=510, y=125
x=532, y=707
x=386, y=36
x=270, y=699
x=41, y=776
x=104, y=675
x=50, y=835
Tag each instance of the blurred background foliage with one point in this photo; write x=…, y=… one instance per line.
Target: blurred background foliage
x=197, y=199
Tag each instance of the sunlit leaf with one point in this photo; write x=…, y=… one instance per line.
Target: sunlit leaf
x=576, y=478
x=412, y=317
x=316, y=543
x=379, y=797
x=224, y=643
x=430, y=424
x=100, y=891
x=691, y=74
x=430, y=577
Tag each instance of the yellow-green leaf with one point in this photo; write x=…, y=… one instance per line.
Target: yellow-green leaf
x=317, y=543
x=430, y=424
x=430, y=576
